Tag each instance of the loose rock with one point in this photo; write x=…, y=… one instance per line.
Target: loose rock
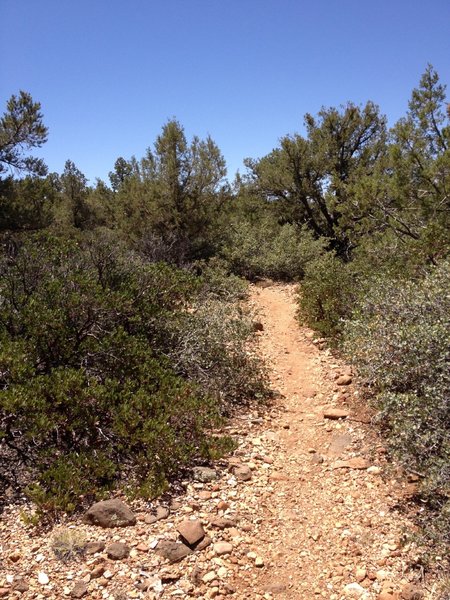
x=354, y=590
x=79, y=590
x=336, y=413
x=94, y=547
x=43, y=578
x=20, y=585
x=242, y=473
x=221, y=548
x=411, y=592
x=191, y=530
x=117, y=551
x=204, y=474
x=110, y=513
x=172, y=551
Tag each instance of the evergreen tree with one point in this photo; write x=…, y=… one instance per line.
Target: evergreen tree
x=21, y=128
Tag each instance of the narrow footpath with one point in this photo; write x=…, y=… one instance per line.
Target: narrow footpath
x=329, y=525
x=306, y=508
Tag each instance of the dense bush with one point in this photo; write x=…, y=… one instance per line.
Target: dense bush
x=399, y=339
x=268, y=249
x=88, y=384
x=327, y=293
x=211, y=348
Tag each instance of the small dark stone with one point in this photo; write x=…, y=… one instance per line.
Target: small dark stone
x=79, y=589
x=117, y=551
x=94, y=547
x=172, y=551
x=142, y=585
x=20, y=585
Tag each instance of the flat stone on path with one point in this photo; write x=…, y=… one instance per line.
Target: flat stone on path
x=354, y=590
x=339, y=443
x=172, y=551
x=276, y=588
x=344, y=380
x=191, y=530
x=79, y=589
x=335, y=413
x=221, y=548
x=110, y=513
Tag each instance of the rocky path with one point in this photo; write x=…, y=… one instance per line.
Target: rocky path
x=304, y=509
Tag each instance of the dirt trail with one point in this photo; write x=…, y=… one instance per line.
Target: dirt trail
x=304, y=509
x=328, y=530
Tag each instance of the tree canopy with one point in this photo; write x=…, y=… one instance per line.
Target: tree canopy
x=21, y=129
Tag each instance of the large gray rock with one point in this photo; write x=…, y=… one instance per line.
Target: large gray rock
x=110, y=513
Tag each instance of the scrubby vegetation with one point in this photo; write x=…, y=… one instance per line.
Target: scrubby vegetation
x=398, y=337
x=107, y=369
x=123, y=336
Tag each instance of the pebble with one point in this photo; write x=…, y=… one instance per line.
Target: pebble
x=344, y=380
x=221, y=548
x=354, y=590
x=210, y=576
x=43, y=578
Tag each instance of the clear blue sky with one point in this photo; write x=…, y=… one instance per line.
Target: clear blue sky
x=109, y=73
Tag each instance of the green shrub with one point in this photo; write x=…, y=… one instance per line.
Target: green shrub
x=87, y=392
x=327, y=294
x=68, y=544
x=268, y=249
x=211, y=347
x=398, y=338
x=218, y=282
